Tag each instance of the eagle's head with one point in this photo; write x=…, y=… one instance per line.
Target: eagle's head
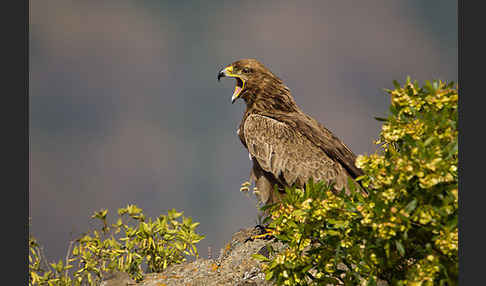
x=255, y=82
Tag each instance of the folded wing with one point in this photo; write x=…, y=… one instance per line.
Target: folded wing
x=288, y=155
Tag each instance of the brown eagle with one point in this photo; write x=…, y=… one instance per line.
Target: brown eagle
x=287, y=146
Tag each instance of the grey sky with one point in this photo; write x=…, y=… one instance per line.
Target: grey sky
x=125, y=107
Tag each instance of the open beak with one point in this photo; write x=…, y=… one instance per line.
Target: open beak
x=240, y=83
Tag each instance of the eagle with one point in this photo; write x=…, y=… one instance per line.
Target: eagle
x=287, y=146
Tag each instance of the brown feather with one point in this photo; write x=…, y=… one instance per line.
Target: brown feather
x=287, y=146
x=285, y=152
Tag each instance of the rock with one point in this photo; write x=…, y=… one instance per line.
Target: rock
x=117, y=279
x=234, y=266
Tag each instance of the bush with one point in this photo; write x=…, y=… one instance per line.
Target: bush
x=154, y=244
x=405, y=230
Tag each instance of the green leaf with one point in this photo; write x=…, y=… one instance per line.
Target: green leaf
x=307, y=268
x=429, y=86
x=451, y=224
x=259, y=257
x=299, y=213
x=411, y=206
x=380, y=118
x=452, y=150
x=400, y=247
x=396, y=84
x=179, y=245
x=435, y=85
x=269, y=275
x=333, y=232
x=371, y=282
x=269, y=206
x=428, y=141
x=409, y=79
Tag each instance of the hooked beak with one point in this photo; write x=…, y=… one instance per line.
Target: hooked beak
x=240, y=83
x=221, y=74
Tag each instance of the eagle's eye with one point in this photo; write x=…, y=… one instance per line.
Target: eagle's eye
x=246, y=70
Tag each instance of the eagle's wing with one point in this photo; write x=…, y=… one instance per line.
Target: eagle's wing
x=289, y=155
x=322, y=137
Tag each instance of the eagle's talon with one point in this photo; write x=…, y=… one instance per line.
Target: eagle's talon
x=269, y=234
x=260, y=227
x=244, y=189
x=245, y=184
x=264, y=233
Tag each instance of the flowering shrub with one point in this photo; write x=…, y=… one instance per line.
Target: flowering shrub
x=405, y=230
x=155, y=244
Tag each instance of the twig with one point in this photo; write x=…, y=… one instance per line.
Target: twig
x=67, y=257
x=42, y=256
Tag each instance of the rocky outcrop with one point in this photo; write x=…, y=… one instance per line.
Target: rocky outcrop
x=234, y=266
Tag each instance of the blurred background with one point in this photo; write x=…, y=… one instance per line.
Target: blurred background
x=125, y=107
